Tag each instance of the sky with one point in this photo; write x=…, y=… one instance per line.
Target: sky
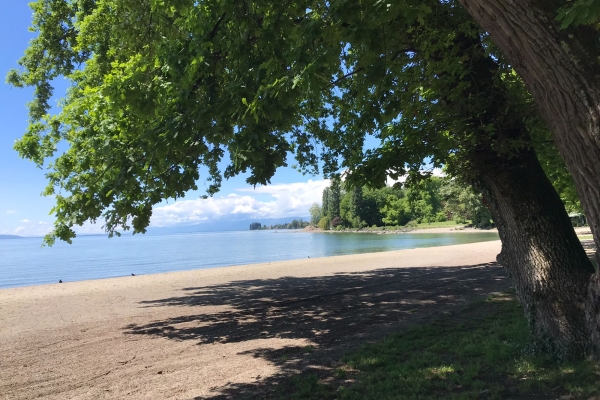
x=24, y=212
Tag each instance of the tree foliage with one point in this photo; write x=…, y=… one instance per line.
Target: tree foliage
x=161, y=90
x=316, y=213
x=463, y=204
x=431, y=200
x=579, y=12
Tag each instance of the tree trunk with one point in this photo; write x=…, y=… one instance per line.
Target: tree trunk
x=541, y=253
x=559, y=68
x=560, y=71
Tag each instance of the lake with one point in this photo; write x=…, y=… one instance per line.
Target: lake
x=24, y=262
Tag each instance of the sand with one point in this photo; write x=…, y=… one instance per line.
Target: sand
x=225, y=332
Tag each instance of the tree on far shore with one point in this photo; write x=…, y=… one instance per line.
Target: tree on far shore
x=316, y=213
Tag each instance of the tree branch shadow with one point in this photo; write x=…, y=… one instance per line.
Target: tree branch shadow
x=334, y=313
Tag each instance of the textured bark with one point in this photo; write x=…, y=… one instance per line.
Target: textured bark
x=540, y=249
x=593, y=312
x=541, y=253
x=560, y=69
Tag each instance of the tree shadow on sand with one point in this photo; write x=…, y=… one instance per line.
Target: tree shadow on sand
x=336, y=313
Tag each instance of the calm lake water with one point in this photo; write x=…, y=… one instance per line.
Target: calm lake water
x=23, y=262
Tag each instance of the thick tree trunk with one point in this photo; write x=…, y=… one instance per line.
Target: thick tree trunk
x=542, y=254
x=560, y=69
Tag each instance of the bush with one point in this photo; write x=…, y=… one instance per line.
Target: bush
x=440, y=217
x=336, y=221
x=324, y=223
x=411, y=224
x=459, y=219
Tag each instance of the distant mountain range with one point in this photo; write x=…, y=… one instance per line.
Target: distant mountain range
x=214, y=226
x=10, y=237
x=219, y=226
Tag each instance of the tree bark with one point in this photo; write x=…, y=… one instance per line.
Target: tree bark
x=541, y=253
x=560, y=69
x=540, y=249
x=560, y=72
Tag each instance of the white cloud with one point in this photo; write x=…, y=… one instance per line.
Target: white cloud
x=11, y=211
x=30, y=228
x=283, y=200
x=90, y=229
x=273, y=201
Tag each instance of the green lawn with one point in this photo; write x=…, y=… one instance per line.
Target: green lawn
x=445, y=224
x=481, y=353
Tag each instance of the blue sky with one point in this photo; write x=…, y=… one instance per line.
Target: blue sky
x=25, y=212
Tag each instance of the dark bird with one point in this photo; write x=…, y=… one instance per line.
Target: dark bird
x=132, y=274
x=308, y=256
x=60, y=281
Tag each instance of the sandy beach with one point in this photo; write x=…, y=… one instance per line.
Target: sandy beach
x=230, y=332
x=225, y=332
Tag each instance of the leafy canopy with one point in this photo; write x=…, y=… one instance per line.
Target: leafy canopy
x=160, y=88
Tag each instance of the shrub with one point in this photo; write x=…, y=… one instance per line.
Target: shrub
x=336, y=221
x=459, y=219
x=411, y=224
x=324, y=223
x=440, y=217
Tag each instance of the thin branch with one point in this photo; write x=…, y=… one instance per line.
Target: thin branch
x=349, y=74
x=214, y=31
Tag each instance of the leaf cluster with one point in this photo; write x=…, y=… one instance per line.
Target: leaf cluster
x=163, y=88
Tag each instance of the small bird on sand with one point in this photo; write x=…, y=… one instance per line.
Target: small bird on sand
x=308, y=256
x=60, y=281
x=132, y=274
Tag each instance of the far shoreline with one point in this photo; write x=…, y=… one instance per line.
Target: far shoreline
x=580, y=231
x=383, y=231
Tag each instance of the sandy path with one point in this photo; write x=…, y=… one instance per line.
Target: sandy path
x=225, y=331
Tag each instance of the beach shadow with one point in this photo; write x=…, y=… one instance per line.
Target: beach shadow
x=335, y=313
x=588, y=246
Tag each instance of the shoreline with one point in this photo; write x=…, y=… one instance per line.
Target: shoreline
x=227, y=331
x=583, y=232
x=579, y=231
x=383, y=231
x=34, y=274
x=232, y=268
x=196, y=333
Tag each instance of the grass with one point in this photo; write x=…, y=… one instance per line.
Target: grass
x=585, y=237
x=482, y=357
x=445, y=224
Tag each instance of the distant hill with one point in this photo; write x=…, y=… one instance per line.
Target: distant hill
x=219, y=226
x=10, y=237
